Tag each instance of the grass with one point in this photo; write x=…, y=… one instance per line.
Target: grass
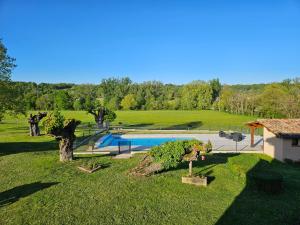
x=36, y=188
x=166, y=119
x=172, y=120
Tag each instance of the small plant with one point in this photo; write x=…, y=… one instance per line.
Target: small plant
x=208, y=146
x=91, y=164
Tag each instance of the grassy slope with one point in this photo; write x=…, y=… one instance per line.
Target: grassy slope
x=109, y=196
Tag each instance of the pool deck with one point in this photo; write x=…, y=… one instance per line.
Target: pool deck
x=220, y=144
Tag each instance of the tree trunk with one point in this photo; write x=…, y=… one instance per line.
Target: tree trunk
x=33, y=121
x=190, y=168
x=34, y=129
x=66, y=149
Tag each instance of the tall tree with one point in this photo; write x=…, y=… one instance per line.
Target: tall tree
x=10, y=99
x=129, y=102
x=216, y=88
x=63, y=100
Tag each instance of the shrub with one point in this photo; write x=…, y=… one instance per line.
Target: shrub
x=170, y=154
x=208, y=147
x=267, y=181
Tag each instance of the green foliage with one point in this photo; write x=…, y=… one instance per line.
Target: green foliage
x=63, y=100
x=129, y=102
x=7, y=64
x=53, y=122
x=208, y=146
x=45, y=102
x=170, y=154
x=110, y=115
x=91, y=164
x=79, y=104
x=280, y=99
x=197, y=95
x=11, y=99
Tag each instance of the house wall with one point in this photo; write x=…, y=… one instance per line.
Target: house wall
x=289, y=151
x=273, y=146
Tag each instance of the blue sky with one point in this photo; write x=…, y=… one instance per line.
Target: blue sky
x=171, y=41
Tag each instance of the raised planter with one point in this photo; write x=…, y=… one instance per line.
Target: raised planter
x=89, y=170
x=195, y=180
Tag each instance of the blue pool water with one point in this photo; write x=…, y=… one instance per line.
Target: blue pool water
x=148, y=142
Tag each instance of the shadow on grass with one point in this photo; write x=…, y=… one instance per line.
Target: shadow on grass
x=189, y=125
x=256, y=207
x=10, y=196
x=20, y=147
x=139, y=125
x=206, y=165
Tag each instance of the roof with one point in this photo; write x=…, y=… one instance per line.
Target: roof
x=285, y=128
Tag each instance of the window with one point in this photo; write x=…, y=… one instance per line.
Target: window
x=295, y=142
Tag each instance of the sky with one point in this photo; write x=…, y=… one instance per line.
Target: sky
x=173, y=41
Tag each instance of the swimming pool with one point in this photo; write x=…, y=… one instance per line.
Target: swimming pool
x=114, y=140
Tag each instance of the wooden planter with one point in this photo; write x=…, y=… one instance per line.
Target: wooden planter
x=195, y=180
x=88, y=170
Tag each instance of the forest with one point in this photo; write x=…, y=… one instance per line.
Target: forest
x=273, y=100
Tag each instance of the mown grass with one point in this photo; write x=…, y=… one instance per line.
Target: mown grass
x=36, y=188
x=172, y=120
x=165, y=119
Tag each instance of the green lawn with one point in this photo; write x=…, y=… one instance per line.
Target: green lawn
x=36, y=188
x=168, y=119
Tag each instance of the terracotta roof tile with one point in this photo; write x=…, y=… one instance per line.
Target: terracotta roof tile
x=280, y=127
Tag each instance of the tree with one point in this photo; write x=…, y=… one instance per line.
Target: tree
x=10, y=99
x=33, y=121
x=196, y=95
x=63, y=100
x=129, y=102
x=7, y=64
x=79, y=103
x=272, y=100
x=63, y=130
x=101, y=114
x=216, y=88
x=45, y=102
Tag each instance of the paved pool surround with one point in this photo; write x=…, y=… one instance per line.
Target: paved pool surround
x=220, y=144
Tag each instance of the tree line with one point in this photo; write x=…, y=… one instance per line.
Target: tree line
x=281, y=99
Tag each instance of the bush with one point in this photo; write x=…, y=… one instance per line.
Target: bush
x=267, y=181
x=170, y=154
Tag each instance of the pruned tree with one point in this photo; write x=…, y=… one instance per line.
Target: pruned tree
x=101, y=114
x=64, y=131
x=33, y=121
x=167, y=156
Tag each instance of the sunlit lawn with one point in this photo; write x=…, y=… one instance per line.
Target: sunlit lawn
x=168, y=119
x=36, y=188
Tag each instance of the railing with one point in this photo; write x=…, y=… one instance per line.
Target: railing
x=124, y=143
x=210, y=129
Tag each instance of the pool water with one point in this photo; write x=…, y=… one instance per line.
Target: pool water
x=148, y=142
